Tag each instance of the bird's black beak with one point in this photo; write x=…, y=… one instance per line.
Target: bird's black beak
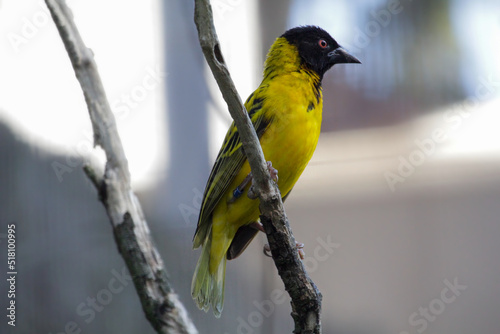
x=341, y=56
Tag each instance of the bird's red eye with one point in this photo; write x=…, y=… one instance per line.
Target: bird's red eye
x=322, y=43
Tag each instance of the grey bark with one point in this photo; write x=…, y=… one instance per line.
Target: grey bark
x=159, y=301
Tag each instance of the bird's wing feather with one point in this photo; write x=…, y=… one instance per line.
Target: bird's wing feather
x=227, y=165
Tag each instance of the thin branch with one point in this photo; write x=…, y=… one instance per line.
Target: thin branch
x=306, y=298
x=159, y=301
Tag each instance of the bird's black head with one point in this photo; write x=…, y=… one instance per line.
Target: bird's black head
x=317, y=49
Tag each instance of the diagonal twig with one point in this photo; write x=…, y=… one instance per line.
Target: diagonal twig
x=159, y=301
x=306, y=298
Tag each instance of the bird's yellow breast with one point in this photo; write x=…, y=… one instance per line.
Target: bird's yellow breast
x=295, y=107
x=291, y=140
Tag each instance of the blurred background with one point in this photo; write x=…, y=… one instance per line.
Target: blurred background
x=398, y=209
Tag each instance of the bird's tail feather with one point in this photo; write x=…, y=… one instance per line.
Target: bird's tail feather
x=208, y=289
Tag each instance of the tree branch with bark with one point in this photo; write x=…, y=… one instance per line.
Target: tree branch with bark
x=306, y=298
x=160, y=303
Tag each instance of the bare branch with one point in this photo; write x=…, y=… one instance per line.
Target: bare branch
x=306, y=298
x=159, y=301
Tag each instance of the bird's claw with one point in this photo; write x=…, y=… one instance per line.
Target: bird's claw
x=272, y=171
x=267, y=250
x=300, y=250
x=274, y=176
x=251, y=191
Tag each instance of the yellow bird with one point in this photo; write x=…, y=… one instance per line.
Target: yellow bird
x=286, y=113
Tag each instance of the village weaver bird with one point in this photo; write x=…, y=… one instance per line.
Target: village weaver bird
x=286, y=113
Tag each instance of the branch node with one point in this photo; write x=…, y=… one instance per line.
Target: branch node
x=218, y=54
x=91, y=174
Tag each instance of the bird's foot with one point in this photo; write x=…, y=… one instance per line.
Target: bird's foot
x=258, y=226
x=273, y=171
x=274, y=175
x=267, y=249
x=300, y=250
x=239, y=189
